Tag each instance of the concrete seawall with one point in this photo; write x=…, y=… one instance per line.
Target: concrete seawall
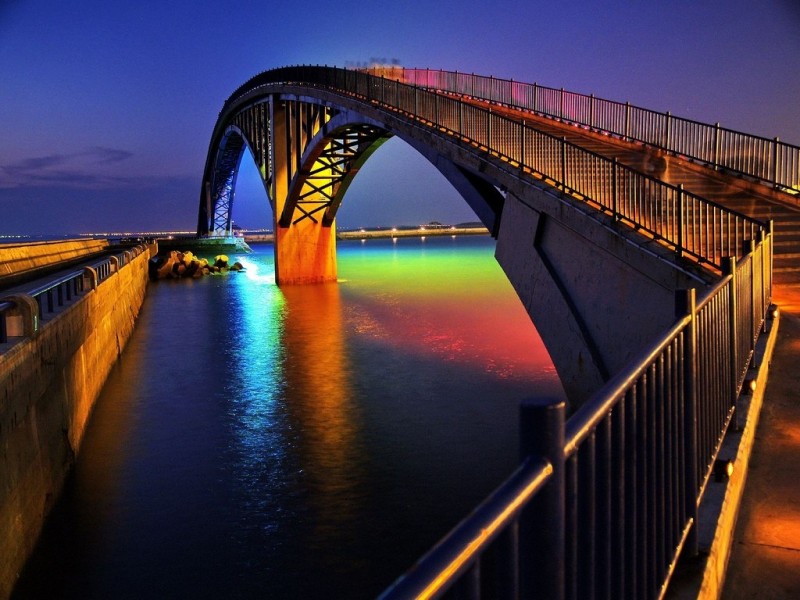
x=49, y=383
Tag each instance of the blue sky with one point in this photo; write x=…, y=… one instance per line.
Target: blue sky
x=106, y=108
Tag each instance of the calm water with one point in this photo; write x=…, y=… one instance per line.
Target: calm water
x=306, y=442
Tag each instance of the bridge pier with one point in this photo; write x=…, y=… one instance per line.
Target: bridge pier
x=305, y=248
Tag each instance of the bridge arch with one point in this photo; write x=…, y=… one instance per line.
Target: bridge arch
x=597, y=291
x=307, y=151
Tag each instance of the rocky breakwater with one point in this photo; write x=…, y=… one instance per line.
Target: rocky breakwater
x=181, y=265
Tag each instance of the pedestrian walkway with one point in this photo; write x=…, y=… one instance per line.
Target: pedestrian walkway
x=765, y=556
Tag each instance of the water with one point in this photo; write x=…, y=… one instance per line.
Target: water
x=305, y=442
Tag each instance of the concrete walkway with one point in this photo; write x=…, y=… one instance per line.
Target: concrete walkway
x=765, y=556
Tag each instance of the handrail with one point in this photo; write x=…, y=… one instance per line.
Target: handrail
x=692, y=226
x=640, y=453
x=58, y=292
x=458, y=552
x=768, y=160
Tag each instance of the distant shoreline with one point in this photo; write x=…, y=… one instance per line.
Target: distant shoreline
x=364, y=234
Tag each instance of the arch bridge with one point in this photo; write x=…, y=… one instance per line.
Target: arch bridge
x=595, y=245
x=648, y=291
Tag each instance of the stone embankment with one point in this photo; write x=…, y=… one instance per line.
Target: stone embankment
x=49, y=382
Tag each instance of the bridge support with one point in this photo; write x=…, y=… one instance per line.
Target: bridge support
x=305, y=249
x=596, y=298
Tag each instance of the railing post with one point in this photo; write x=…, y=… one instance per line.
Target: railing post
x=627, y=120
x=771, y=236
x=489, y=129
x=90, y=277
x=561, y=105
x=522, y=145
x=666, y=131
x=680, y=220
x=729, y=268
x=686, y=305
x=542, y=525
x=23, y=319
x=775, y=144
x=716, y=146
x=591, y=112
x=535, y=97
x=614, y=191
x=753, y=304
x=564, y=164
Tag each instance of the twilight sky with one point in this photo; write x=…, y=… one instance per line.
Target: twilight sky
x=106, y=108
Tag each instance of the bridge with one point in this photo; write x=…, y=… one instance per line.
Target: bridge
x=643, y=246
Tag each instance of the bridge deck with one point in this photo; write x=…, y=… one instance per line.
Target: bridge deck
x=752, y=199
x=765, y=554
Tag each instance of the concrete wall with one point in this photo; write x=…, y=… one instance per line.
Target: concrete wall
x=596, y=297
x=48, y=385
x=17, y=260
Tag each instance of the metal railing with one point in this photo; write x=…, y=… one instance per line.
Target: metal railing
x=627, y=471
x=692, y=226
x=768, y=160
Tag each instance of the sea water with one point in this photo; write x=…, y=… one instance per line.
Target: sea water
x=297, y=442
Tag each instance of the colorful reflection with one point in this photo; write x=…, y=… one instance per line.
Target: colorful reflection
x=446, y=297
x=283, y=443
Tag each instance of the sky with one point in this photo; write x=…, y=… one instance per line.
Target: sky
x=107, y=108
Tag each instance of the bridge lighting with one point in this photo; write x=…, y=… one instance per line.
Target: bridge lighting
x=750, y=385
x=772, y=311
x=723, y=469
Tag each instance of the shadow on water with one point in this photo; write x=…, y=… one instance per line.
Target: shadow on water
x=312, y=441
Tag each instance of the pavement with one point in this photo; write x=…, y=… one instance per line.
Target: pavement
x=765, y=554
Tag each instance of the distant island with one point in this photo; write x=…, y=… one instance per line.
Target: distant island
x=434, y=228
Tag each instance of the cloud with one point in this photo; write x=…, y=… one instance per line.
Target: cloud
x=83, y=169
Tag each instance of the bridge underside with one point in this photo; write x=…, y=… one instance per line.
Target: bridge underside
x=595, y=295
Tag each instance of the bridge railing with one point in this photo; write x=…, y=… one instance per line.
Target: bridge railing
x=691, y=225
x=767, y=160
x=620, y=503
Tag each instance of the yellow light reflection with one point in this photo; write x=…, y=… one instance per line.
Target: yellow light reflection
x=318, y=395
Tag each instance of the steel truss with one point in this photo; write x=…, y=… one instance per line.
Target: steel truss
x=334, y=163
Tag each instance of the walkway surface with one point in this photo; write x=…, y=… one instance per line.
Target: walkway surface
x=765, y=557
